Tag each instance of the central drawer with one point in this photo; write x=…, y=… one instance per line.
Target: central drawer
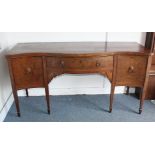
x=80, y=63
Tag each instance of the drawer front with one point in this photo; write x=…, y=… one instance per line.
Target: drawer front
x=131, y=70
x=80, y=63
x=28, y=72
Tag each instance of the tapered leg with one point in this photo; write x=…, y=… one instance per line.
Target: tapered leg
x=16, y=102
x=27, y=93
x=47, y=99
x=111, y=98
x=127, y=90
x=141, y=101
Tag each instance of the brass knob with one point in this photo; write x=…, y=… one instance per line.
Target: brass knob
x=98, y=64
x=131, y=69
x=62, y=63
x=28, y=70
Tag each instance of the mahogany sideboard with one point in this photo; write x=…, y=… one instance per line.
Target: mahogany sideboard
x=34, y=65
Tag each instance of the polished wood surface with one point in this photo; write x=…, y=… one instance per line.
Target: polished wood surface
x=34, y=65
x=28, y=72
x=131, y=70
x=77, y=48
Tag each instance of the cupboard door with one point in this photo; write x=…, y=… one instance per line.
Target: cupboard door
x=131, y=70
x=28, y=72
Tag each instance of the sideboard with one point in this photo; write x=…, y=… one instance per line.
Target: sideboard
x=34, y=65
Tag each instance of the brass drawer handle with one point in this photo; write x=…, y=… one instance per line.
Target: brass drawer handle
x=131, y=69
x=28, y=70
x=98, y=64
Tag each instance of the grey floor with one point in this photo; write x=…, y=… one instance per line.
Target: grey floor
x=82, y=108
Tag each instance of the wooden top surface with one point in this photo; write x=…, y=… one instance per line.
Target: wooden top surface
x=76, y=47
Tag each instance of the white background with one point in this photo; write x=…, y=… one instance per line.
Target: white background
x=77, y=16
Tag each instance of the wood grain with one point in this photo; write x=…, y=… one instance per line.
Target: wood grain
x=34, y=65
